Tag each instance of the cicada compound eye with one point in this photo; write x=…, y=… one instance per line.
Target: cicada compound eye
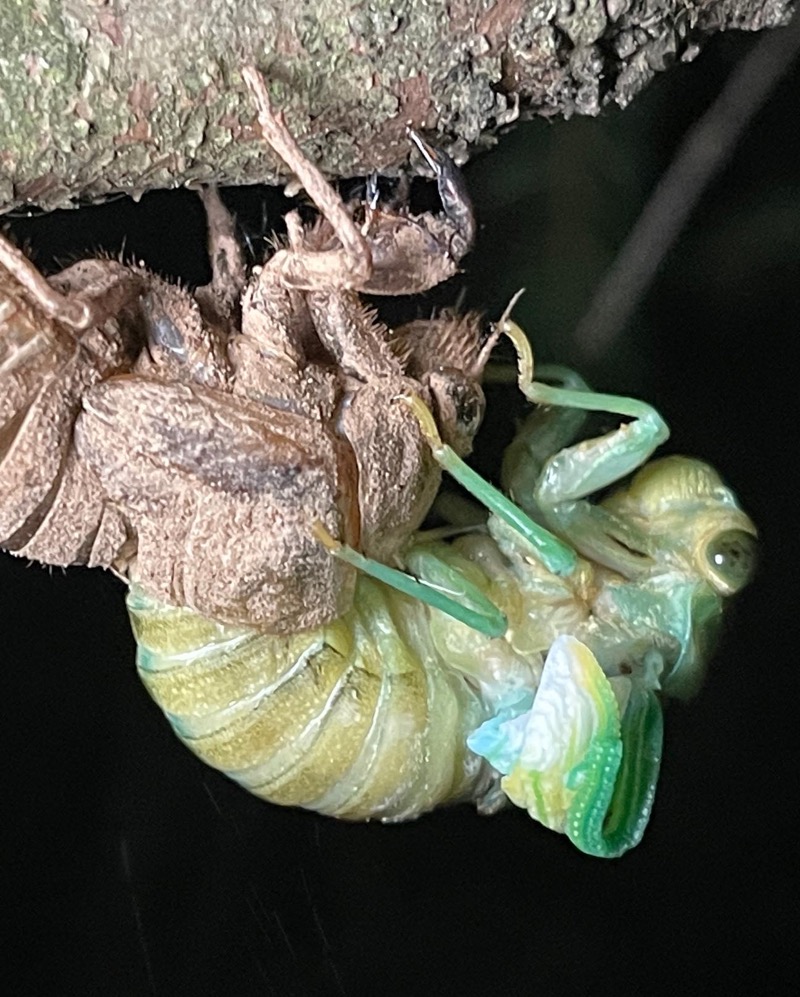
x=460, y=405
x=731, y=557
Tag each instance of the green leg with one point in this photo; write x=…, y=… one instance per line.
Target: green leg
x=556, y=556
x=437, y=585
x=568, y=476
x=544, y=432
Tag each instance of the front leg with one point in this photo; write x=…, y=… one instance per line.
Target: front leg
x=555, y=555
x=394, y=253
x=453, y=194
x=351, y=265
x=566, y=475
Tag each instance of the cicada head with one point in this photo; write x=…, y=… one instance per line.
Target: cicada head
x=703, y=547
x=693, y=521
x=447, y=354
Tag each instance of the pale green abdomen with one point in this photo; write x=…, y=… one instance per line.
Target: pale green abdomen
x=358, y=719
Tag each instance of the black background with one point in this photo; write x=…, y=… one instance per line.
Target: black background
x=132, y=869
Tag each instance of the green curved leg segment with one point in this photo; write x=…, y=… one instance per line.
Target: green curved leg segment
x=553, y=480
x=591, y=465
x=437, y=584
x=556, y=556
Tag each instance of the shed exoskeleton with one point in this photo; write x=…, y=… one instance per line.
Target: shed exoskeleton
x=191, y=441
x=397, y=707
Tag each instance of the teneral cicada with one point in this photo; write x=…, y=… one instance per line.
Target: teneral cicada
x=397, y=707
x=255, y=459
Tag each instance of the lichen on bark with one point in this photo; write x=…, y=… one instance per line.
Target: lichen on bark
x=102, y=96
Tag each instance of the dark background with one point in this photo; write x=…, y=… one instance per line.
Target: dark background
x=132, y=869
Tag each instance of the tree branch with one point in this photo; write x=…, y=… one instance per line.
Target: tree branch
x=130, y=95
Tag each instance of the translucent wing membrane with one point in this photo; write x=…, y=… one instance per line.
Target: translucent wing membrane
x=562, y=756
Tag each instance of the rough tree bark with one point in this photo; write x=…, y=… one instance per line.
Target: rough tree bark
x=102, y=96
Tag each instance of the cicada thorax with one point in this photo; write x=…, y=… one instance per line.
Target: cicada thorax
x=222, y=498
x=52, y=507
x=358, y=719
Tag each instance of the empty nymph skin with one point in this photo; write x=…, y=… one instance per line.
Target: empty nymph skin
x=192, y=441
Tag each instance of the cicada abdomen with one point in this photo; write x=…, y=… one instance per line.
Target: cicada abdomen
x=358, y=719
x=52, y=508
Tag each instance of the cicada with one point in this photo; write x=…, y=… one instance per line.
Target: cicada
x=576, y=618
x=255, y=458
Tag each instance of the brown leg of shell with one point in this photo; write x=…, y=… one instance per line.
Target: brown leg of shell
x=348, y=267
x=70, y=311
x=228, y=273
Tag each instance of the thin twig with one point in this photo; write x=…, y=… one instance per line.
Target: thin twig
x=705, y=150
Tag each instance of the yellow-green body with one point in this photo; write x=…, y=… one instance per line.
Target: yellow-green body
x=358, y=719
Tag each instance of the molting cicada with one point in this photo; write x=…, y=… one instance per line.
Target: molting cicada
x=256, y=458
x=545, y=691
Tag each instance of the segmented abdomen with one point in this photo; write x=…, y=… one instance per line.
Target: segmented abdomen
x=358, y=719
x=52, y=508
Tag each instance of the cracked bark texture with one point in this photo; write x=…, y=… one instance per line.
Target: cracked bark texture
x=106, y=96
